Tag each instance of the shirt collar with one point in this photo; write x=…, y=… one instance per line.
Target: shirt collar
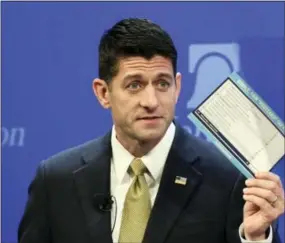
x=154, y=160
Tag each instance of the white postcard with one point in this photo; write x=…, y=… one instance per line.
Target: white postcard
x=236, y=119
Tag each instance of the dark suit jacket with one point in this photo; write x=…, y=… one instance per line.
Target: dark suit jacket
x=208, y=209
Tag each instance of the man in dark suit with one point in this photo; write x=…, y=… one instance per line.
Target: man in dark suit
x=147, y=180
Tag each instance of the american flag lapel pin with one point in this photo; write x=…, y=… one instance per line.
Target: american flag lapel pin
x=180, y=180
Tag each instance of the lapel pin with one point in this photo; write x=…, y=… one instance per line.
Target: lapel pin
x=180, y=180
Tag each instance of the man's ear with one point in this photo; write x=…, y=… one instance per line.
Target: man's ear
x=178, y=79
x=101, y=90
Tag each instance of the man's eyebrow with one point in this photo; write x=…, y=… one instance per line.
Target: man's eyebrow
x=164, y=75
x=132, y=76
x=140, y=76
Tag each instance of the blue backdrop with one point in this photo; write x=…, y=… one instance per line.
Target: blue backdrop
x=49, y=59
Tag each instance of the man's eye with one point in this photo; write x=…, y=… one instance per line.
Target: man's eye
x=163, y=84
x=134, y=85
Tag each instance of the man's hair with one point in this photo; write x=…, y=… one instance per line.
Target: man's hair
x=133, y=37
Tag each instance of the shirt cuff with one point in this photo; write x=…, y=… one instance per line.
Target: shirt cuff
x=268, y=240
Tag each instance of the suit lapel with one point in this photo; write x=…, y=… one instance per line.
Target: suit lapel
x=92, y=178
x=172, y=197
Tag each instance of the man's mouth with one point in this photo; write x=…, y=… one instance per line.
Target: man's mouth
x=149, y=117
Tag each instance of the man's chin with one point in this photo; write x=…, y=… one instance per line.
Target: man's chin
x=148, y=135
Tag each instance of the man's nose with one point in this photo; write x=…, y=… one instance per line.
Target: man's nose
x=149, y=98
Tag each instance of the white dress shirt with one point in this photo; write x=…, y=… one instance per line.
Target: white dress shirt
x=121, y=181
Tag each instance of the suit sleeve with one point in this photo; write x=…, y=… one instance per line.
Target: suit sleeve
x=235, y=214
x=34, y=225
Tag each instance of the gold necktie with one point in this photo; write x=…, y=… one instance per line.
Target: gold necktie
x=137, y=206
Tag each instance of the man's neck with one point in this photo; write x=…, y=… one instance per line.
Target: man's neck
x=135, y=147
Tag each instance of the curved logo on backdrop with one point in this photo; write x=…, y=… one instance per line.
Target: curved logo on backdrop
x=13, y=136
x=209, y=65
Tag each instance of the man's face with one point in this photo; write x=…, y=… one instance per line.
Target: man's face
x=142, y=97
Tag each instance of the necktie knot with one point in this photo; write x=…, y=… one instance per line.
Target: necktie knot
x=137, y=167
